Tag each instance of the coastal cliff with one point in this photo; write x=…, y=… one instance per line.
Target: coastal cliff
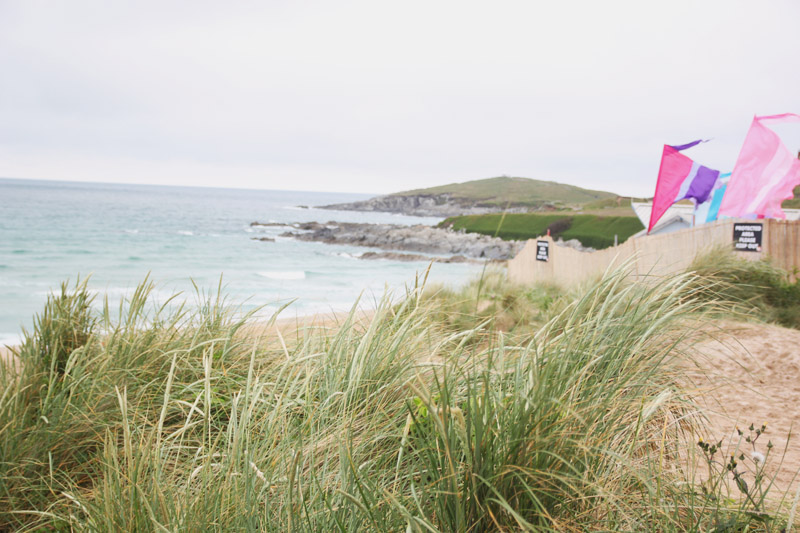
x=424, y=205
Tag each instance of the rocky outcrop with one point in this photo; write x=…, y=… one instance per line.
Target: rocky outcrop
x=267, y=224
x=422, y=205
x=419, y=238
x=575, y=244
x=395, y=256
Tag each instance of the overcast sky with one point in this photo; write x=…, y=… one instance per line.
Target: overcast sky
x=380, y=96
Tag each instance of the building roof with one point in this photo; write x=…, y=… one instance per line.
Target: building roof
x=684, y=211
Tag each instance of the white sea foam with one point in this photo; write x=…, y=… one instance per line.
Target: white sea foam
x=112, y=291
x=117, y=294
x=284, y=274
x=184, y=232
x=43, y=293
x=10, y=339
x=132, y=231
x=348, y=255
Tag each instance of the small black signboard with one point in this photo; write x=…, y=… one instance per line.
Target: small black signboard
x=747, y=237
x=542, y=250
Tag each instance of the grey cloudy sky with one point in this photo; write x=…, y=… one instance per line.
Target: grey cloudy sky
x=375, y=96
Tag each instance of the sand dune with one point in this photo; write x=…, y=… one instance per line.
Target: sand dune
x=747, y=373
x=753, y=376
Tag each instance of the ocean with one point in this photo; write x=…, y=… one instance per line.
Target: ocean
x=51, y=232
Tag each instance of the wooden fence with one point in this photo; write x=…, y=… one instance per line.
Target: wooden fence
x=654, y=255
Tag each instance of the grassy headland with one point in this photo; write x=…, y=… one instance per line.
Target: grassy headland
x=506, y=191
x=487, y=409
x=591, y=230
x=493, y=195
x=793, y=203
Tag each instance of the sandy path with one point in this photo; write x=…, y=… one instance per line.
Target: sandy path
x=753, y=376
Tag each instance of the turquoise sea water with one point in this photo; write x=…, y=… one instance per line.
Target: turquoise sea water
x=54, y=231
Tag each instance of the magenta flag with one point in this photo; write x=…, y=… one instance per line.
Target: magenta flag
x=680, y=178
x=765, y=173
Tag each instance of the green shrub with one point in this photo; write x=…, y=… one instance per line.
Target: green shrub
x=591, y=230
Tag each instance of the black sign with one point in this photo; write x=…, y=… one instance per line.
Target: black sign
x=747, y=237
x=542, y=250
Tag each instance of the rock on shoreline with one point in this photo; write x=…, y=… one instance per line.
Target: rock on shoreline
x=422, y=205
x=395, y=256
x=419, y=238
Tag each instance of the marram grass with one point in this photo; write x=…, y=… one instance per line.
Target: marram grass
x=190, y=419
x=759, y=289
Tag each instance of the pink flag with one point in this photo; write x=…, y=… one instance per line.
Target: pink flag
x=680, y=178
x=765, y=173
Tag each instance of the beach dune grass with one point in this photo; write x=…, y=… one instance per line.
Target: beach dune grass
x=179, y=418
x=490, y=304
x=758, y=289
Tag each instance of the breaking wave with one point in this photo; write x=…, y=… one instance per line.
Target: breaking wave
x=284, y=274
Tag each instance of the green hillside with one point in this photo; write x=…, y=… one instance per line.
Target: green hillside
x=519, y=192
x=591, y=230
x=793, y=203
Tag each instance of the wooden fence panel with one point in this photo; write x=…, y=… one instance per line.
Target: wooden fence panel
x=655, y=255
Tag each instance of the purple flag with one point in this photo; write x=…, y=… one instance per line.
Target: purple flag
x=680, y=178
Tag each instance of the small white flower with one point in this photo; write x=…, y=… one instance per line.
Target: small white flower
x=758, y=458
